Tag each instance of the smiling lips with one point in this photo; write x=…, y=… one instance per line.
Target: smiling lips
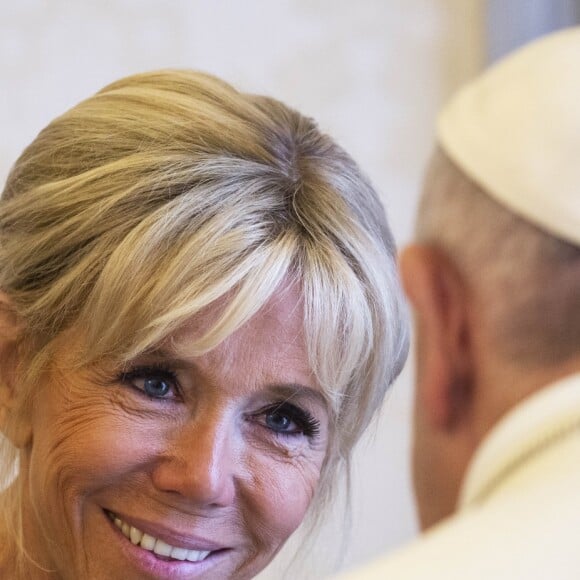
x=155, y=545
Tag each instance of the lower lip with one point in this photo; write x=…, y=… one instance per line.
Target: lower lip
x=148, y=563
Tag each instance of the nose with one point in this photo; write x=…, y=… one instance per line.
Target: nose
x=199, y=464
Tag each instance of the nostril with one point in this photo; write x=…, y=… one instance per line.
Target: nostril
x=198, y=473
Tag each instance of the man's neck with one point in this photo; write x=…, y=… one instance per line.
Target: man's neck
x=508, y=385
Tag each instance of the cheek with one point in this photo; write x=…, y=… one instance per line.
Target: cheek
x=281, y=491
x=82, y=446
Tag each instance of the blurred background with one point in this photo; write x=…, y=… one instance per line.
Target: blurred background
x=372, y=72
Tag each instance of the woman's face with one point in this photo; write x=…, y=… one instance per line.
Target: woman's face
x=177, y=466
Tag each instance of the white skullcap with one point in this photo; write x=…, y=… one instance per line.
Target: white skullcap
x=516, y=132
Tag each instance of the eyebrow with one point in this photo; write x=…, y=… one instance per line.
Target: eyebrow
x=287, y=391
x=159, y=354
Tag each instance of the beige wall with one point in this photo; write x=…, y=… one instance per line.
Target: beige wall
x=373, y=72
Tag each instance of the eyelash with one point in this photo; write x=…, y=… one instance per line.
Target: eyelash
x=306, y=423
x=154, y=371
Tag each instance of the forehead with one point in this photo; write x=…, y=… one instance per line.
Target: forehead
x=266, y=354
x=279, y=322
x=274, y=335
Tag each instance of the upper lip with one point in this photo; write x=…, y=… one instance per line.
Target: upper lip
x=173, y=537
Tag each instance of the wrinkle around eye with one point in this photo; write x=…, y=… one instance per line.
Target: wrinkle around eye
x=143, y=379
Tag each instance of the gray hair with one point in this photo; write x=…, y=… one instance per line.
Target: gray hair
x=528, y=281
x=168, y=190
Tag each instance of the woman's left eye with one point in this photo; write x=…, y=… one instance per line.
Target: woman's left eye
x=280, y=422
x=155, y=383
x=288, y=419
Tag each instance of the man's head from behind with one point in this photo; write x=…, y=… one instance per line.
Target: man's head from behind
x=494, y=277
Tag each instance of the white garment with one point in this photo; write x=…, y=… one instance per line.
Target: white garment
x=519, y=514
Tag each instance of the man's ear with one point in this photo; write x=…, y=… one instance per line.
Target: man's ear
x=444, y=358
x=14, y=419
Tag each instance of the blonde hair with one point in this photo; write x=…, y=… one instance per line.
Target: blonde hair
x=528, y=281
x=168, y=190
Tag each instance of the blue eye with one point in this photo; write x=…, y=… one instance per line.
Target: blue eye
x=156, y=387
x=287, y=419
x=280, y=422
x=154, y=382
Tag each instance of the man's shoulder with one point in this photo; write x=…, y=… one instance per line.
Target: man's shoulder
x=500, y=542
x=526, y=530
x=434, y=555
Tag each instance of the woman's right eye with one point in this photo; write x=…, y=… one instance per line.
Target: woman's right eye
x=155, y=383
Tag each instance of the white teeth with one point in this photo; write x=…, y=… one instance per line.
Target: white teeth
x=196, y=556
x=135, y=535
x=148, y=542
x=179, y=553
x=156, y=546
x=162, y=549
